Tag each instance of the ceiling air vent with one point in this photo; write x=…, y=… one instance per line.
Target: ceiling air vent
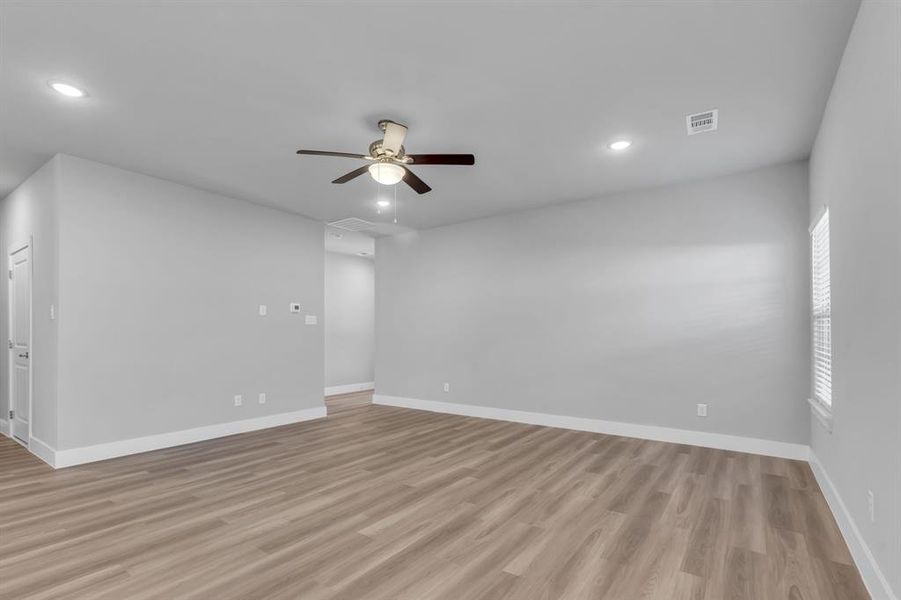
x=702, y=122
x=353, y=224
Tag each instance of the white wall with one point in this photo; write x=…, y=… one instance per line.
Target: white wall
x=633, y=308
x=349, y=319
x=32, y=211
x=855, y=170
x=158, y=312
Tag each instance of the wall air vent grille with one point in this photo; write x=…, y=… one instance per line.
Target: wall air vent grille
x=702, y=122
x=353, y=224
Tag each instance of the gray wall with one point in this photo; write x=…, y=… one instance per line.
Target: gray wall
x=855, y=170
x=349, y=319
x=158, y=318
x=633, y=308
x=32, y=211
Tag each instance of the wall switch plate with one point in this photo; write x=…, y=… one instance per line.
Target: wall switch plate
x=239, y=400
x=702, y=410
x=262, y=398
x=52, y=312
x=294, y=307
x=310, y=320
x=446, y=387
x=871, y=505
x=263, y=310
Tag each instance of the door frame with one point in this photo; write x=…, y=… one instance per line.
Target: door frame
x=12, y=249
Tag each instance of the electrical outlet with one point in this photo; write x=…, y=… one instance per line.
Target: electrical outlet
x=262, y=398
x=264, y=310
x=871, y=505
x=702, y=410
x=446, y=387
x=239, y=400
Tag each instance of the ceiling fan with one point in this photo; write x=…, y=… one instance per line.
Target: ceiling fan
x=389, y=161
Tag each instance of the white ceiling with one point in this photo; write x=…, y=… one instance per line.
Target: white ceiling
x=220, y=95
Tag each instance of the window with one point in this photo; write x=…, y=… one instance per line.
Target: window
x=821, y=324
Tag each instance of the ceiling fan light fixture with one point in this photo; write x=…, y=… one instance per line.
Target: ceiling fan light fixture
x=386, y=173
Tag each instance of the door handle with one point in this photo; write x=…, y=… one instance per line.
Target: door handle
x=23, y=355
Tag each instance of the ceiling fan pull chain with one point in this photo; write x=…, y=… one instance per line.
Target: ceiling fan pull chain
x=395, y=205
x=378, y=192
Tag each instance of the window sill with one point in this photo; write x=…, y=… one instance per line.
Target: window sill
x=822, y=413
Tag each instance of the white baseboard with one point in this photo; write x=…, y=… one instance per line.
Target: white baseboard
x=872, y=575
x=43, y=451
x=4, y=427
x=349, y=388
x=648, y=432
x=86, y=454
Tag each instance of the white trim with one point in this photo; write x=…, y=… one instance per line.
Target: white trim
x=648, y=432
x=349, y=388
x=872, y=575
x=86, y=454
x=42, y=450
x=4, y=427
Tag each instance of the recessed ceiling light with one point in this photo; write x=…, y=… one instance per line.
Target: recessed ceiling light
x=67, y=90
x=363, y=253
x=620, y=145
x=384, y=203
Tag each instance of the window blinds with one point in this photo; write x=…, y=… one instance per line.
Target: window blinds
x=822, y=312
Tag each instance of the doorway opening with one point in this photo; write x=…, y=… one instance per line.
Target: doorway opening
x=349, y=320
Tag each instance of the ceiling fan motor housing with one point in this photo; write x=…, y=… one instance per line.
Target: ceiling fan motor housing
x=377, y=151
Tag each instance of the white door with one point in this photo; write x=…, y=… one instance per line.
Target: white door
x=20, y=340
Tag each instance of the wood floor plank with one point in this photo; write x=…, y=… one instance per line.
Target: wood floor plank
x=789, y=567
x=705, y=537
x=340, y=402
x=382, y=503
x=778, y=502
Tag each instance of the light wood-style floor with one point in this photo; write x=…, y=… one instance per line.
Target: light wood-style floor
x=339, y=402
x=385, y=503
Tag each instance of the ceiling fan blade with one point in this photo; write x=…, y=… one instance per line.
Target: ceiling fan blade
x=327, y=153
x=415, y=182
x=352, y=175
x=394, y=137
x=442, y=159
